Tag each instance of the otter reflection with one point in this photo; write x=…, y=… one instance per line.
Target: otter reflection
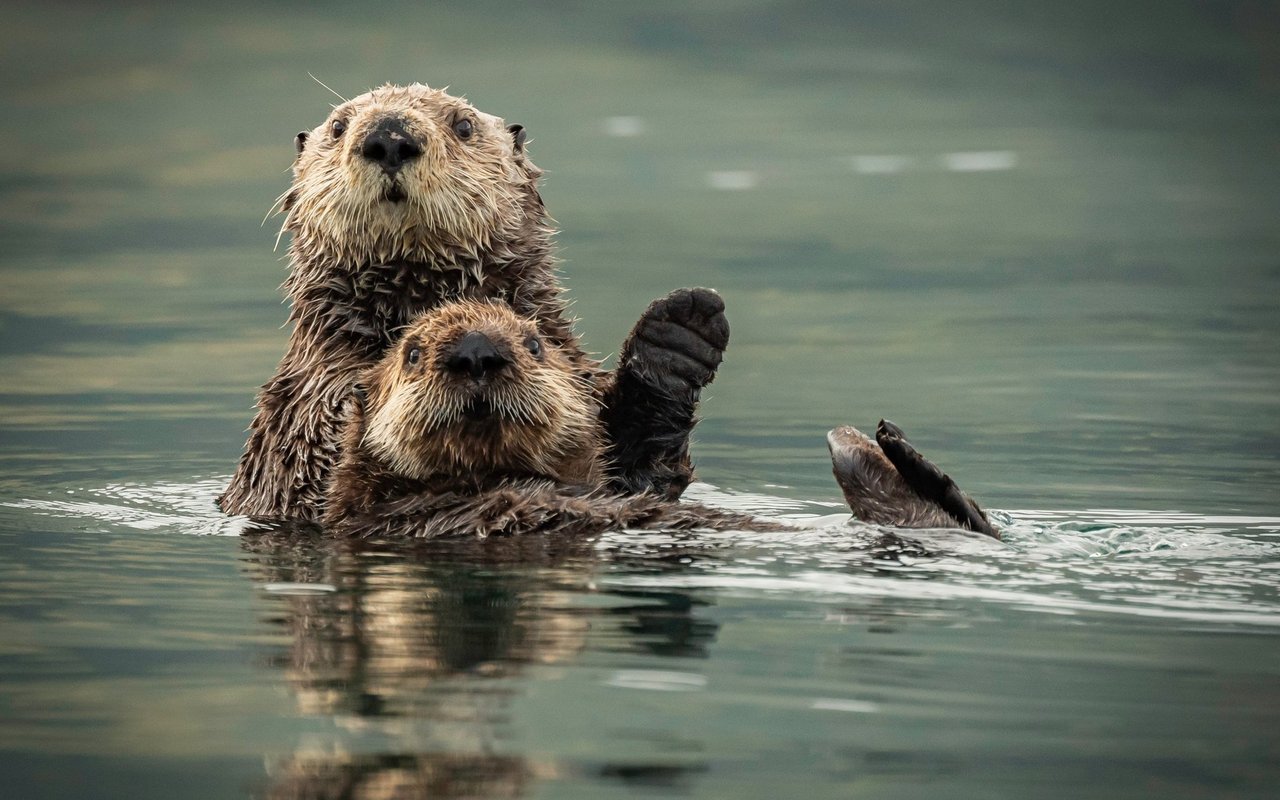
x=405, y=628
x=350, y=777
x=416, y=647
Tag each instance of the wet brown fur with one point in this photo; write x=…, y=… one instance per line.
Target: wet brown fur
x=872, y=486
x=416, y=416
x=887, y=482
x=470, y=224
x=414, y=464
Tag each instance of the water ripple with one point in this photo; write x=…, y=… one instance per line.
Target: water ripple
x=1215, y=569
x=164, y=507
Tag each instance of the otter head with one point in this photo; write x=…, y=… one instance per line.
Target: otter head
x=410, y=173
x=472, y=390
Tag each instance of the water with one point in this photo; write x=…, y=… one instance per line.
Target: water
x=1042, y=239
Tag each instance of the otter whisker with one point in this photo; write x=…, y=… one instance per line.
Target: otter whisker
x=322, y=83
x=278, y=205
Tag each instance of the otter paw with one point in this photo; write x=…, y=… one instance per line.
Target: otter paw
x=919, y=472
x=929, y=481
x=679, y=341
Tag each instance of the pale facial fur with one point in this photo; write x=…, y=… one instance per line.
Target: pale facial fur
x=458, y=196
x=541, y=418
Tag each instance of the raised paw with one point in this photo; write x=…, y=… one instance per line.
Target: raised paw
x=678, y=342
x=651, y=407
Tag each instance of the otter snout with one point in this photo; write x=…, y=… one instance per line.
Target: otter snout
x=475, y=355
x=390, y=145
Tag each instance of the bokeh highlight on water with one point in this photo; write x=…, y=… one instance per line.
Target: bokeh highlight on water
x=1040, y=237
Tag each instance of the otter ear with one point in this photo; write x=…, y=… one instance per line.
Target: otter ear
x=300, y=141
x=518, y=135
x=360, y=393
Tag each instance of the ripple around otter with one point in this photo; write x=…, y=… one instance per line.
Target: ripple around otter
x=1197, y=569
x=137, y=627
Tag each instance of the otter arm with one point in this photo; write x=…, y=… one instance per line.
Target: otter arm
x=532, y=508
x=294, y=438
x=649, y=409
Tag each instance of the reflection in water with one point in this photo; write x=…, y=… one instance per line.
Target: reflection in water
x=416, y=649
x=350, y=777
x=665, y=625
x=507, y=667
x=407, y=628
x=419, y=645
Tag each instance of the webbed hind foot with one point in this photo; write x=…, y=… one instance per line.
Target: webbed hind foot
x=929, y=482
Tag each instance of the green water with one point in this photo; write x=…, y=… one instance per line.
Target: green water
x=1042, y=238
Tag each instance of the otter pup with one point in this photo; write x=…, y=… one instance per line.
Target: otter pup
x=474, y=424
x=406, y=198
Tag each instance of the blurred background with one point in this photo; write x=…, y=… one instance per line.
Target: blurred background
x=1042, y=237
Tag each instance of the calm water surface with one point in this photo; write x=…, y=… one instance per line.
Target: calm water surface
x=1041, y=239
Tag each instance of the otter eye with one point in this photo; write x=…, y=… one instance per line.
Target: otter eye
x=534, y=345
x=338, y=128
x=463, y=128
x=413, y=356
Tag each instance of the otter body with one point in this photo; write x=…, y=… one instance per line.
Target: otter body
x=473, y=424
x=406, y=198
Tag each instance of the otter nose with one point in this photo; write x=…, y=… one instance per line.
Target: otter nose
x=389, y=145
x=475, y=355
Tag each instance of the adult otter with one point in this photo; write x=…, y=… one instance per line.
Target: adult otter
x=405, y=198
x=474, y=424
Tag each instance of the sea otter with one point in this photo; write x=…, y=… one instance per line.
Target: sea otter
x=405, y=198
x=474, y=423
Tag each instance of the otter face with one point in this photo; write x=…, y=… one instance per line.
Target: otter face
x=472, y=389
x=409, y=172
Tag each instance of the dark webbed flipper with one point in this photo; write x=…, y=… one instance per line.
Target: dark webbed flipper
x=931, y=483
x=649, y=412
